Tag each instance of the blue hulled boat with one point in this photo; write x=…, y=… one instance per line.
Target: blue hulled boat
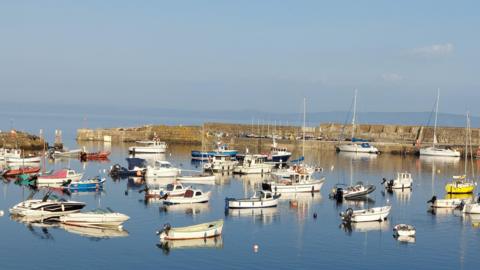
x=95, y=183
x=222, y=149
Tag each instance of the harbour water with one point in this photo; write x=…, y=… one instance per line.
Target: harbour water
x=289, y=237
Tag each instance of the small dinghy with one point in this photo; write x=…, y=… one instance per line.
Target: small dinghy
x=365, y=215
x=404, y=230
x=204, y=230
x=23, y=170
x=261, y=199
x=190, y=196
x=402, y=181
x=98, y=217
x=471, y=208
x=359, y=190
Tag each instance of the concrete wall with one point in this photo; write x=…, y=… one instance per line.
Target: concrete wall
x=20, y=140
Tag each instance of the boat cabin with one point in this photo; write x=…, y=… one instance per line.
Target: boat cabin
x=404, y=176
x=190, y=193
x=300, y=177
x=173, y=187
x=254, y=159
x=263, y=194
x=163, y=164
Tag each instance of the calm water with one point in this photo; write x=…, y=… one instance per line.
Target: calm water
x=288, y=236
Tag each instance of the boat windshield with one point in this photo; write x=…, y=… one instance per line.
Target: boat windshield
x=102, y=210
x=170, y=187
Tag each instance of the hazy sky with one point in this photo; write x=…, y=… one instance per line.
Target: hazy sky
x=241, y=55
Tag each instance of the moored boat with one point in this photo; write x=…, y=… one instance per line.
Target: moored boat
x=95, y=183
x=154, y=146
x=161, y=169
x=261, y=199
x=21, y=170
x=366, y=215
x=48, y=206
x=190, y=196
x=448, y=203
x=91, y=156
x=359, y=190
x=404, y=230
x=199, y=231
x=97, y=217
x=58, y=178
x=402, y=181
x=19, y=160
x=220, y=163
x=254, y=164
x=298, y=182
x=460, y=185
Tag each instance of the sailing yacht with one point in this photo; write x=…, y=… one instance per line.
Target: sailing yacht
x=356, y=145
x=434, y=150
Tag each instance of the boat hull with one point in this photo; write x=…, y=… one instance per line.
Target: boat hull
x=368, y=215
x=438, y=152
x=356, y=148
x=205, y=230
x=251, y=203
x=313, y=186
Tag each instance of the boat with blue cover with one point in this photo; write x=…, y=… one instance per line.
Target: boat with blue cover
x=222, y=149
x=86, y=185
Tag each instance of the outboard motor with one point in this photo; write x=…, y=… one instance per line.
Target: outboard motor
x=432, y=200
x=383, y=180
x=390, y=184
x=338, y=194
x=166, y=228
x=461, y=205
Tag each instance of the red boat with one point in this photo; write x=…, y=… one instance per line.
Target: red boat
x=102, y=155
x=24, y=170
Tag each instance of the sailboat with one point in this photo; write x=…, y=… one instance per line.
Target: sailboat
x=460, y=184
x=434, y=150
x=356, y=145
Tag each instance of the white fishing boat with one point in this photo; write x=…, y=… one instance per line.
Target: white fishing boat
x=48, y=206
x=448, y=203
x=402, y=181
x=404, y=230
x=359, y=190
x=261, y=199
x=434, y=150
x=171, y=190
x=9, y=153
x=220, y=163
x=202, y=179
x=58, y=178
x=366, y=215
x=254, y=164
x=19, y=160
x=356, y=145
x=190, y=196
x=204, y=230
x=298, y=182
x=162, y=169
x=148, y=147
x=98, y=217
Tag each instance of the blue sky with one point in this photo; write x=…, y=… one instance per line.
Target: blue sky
x=242, y=55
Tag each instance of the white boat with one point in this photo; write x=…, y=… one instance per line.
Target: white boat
x=58, y=178
x=261, y=199
x=356, y=146
x=471, y=208
x=204, y=230
x=366, y=215
x=190, y=196
x=148, y=147
x=404, y=230
x=402, y=181
x=202, y=179
x=359, y=190
x=298, y=182
x=49, y=206
x=220, y=163
x=448, y=203
x=67, y=153
x=26, y=160
x=171, y=190
x=285, y=173
x=98, y=217
x=254, y=164
x=161, y=169
x=434, y=150
x=9, y=153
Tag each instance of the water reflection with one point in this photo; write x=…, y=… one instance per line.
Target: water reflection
x=167, y=245
x=262, y=215
x=187, y=209
x=362, y=227
x=402, y=196
x=95, y=233
x=405, y=239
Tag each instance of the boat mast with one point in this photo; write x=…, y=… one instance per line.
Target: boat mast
x=436, y=118
x=304, y=116
x=354, y=113
x=466, y=144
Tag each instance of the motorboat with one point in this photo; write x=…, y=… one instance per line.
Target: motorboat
x=222, y=149
x=171, y=190
x=148, y=147
x=190, y=196
x=58, y=178
x=136, y=167
x=75, y=153
x=48, y=206
x=97, y=217
x=359, y=190
x=161, y=169
x=95, y=183
x=298, y=182
x=254, y=164
x=470, y=208
x=261, y=199
x=402, y=181
x=366, y=215
x=404, y=230
x=220, y=163
x=460, y=185
x=199, y=231
x=448, y=203
x=9, y=153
